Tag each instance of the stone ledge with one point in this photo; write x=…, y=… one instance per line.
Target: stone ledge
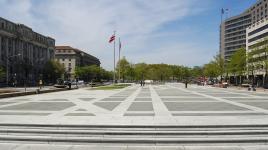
x=16, y=94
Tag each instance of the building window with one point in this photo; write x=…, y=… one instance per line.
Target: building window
x=63, y=59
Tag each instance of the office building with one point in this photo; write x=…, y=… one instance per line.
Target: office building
x=257, y=50
x=233, y=29
x=23, y=52
x=71, y=58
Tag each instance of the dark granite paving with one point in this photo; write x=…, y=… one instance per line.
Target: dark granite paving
x=141, y=106
x=24, y=113
x=263, y=105
x=6, y=103
x=113, y=99
x=139, y=114
x=55, y=100
x=107, y=105
x=217, y=114
x=143, y=99
x=200, y=106
x=188, y=99
x=40, y=106
x=79, y=114
x=86, y=99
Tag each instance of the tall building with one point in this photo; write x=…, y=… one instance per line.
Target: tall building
x=257, y=46
x=71, y=58
x=23, y=52
x=233, y=30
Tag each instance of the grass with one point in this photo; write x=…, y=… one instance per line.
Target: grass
x=111, y=87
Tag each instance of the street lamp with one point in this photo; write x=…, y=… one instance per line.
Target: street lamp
x=8, y=67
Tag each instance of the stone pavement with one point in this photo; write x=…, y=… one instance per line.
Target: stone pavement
x=153, y=105
x=169, y=104
x=112, y=147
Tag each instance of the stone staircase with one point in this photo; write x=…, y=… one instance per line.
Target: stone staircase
x=112, y=134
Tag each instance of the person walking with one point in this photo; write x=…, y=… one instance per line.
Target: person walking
x=186, y=84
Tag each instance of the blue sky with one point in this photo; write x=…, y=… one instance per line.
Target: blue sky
x=182, y=32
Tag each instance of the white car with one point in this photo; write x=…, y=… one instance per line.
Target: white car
x=148, y=81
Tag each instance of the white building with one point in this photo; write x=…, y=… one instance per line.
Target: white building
x=71, y=58
x=257, y=46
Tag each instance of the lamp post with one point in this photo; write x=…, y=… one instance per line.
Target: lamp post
x=8, y=66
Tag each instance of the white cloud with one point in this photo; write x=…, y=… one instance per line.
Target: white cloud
x=88, y=24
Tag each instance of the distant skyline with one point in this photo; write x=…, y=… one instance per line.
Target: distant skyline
x=181, y=32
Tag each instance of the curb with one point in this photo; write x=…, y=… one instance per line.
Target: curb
x=17, y=94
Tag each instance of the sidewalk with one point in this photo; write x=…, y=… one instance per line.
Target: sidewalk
x=258, y=89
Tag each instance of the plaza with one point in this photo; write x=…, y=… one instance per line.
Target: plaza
x=169, y=104
x=164, y=116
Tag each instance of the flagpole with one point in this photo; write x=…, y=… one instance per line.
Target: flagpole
x=119, y=64
x=114, y=59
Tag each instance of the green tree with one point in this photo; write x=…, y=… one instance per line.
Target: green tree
x=124, y=67
x=210, y=70
x=53, y=70
x=140, y=70
x=2, y=73
x=237, y=64
x=93, y=73
x=220, y=65
x=197, y=71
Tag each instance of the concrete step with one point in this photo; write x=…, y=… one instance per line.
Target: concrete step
x=134, y=134
x=134, y=140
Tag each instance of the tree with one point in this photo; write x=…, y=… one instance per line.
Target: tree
x=124, y=67
x=53, y=70
x=2, y=73
x=237, y=64
x=220, y=66
x=210, y=70
x=93, y=73
x=197, y=71
x=140, y=71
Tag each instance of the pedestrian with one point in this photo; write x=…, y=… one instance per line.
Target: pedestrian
x=186, y=84
x=70, y=85
x=40, y=84
x=141, y=82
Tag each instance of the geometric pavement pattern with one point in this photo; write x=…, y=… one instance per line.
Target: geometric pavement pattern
x=136, y=101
